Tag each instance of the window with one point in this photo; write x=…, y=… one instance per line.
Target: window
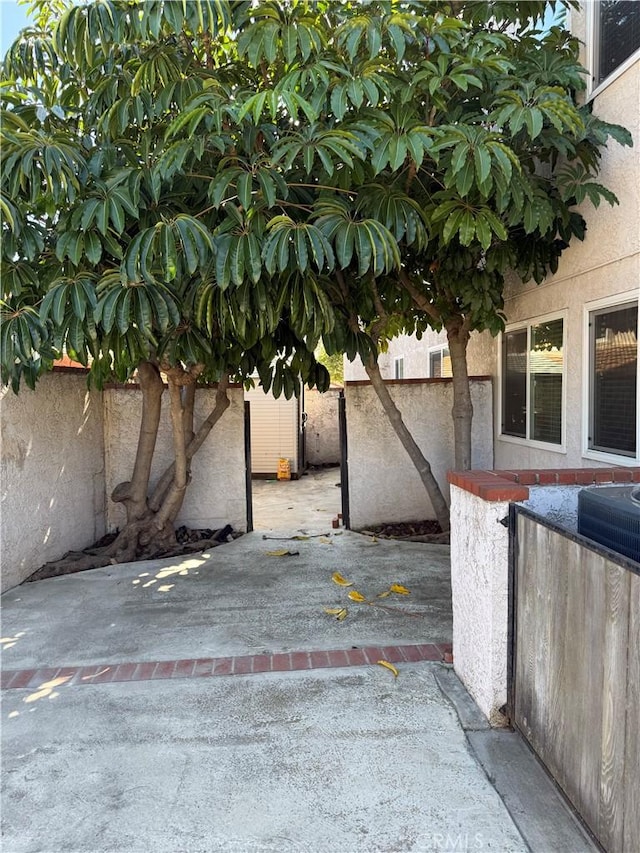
x=439, y=363
x=616, y=36
x=613, y=379
x=533, y=382
x=398, y=368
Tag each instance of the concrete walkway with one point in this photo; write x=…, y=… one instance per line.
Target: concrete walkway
x=211, y=704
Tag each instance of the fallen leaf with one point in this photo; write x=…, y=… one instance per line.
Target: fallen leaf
x=354, y=595
x=282, y=552
x=384, y=594
x=389, y=666
x=325, y=541
x=399, y=589
x=336, y=577
x=333, y=611
x=342, y=615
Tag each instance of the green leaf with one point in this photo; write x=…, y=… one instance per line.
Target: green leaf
x=482, y=161
x=464, y=178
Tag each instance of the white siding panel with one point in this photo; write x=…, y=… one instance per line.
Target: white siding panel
x=275, y=427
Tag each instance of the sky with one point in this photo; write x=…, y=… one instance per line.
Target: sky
x=13, y=18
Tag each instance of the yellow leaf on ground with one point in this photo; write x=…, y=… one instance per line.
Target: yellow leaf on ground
x=354, y=595
x=342, y=615
x=389, y=666
x=282, y=552
x=333, y=611
x=399, y=589
x=384, y=594
x=336, y=577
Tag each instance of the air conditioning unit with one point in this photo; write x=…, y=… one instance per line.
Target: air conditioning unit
x=610, y=515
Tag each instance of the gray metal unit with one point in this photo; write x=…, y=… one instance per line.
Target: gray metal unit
x=610, y=515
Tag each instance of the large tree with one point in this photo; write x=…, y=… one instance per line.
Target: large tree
x=113, y=249
x=201, y=188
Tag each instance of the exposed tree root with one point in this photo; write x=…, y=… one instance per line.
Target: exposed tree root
x=100, y=555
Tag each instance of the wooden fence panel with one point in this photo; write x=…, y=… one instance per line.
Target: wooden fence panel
x=632, y=747
x=577, y=674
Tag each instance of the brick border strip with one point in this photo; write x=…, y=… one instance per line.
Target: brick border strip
x=39, y=679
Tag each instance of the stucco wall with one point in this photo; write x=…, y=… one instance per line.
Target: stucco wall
x=606, y=264
x=383, y=484
x=479, y=588
x=52, y=473
x=216, y=494
x=322, y=431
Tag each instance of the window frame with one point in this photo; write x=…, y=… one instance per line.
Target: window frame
x=531, y=442
x=398, y=367
x=630, y=297
x=440, y=348
x=592, y=57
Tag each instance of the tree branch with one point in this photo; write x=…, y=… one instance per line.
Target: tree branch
x=419, y=299
x=221, y=405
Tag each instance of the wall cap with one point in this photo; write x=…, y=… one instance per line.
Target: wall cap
x=424, y=381
x=513, y=485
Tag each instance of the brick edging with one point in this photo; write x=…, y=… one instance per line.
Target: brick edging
x=44, y=678
x=513, y=485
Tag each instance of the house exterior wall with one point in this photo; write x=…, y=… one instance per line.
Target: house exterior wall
x=216, y=494
x=606, y=264
x=52, y=473
x=383, y=483
x=322, y=431
x=480, y=356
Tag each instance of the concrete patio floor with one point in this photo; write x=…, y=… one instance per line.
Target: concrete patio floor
x=210, y=703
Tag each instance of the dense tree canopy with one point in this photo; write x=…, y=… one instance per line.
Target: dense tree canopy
x=212, y=187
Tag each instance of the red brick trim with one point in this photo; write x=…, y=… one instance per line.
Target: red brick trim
x=513, y=485
x=38, y=679
x=434, y=381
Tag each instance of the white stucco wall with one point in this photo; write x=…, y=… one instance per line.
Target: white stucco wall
x=52, y=473
x=322, y=430
x=383, y=483
x=479, y=588
x=216, y=494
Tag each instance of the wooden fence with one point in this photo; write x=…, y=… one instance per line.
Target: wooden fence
x=575, y=687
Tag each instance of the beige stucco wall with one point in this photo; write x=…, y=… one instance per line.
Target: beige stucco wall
x=480, y=356
x=216, y=494
x=322, y=430
x=606, y=264
x=383, y=484
x=52, y=473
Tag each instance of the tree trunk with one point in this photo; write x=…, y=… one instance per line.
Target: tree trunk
x=149, y=530
x=462, y=411
x=221, y=406
x=133, y=493
x=415, y=454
